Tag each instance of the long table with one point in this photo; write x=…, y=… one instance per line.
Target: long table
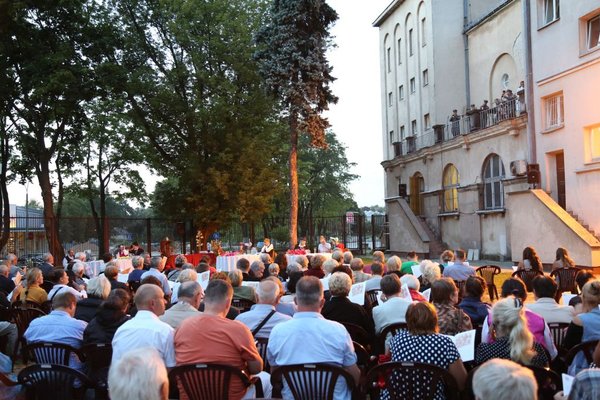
x=228, y=263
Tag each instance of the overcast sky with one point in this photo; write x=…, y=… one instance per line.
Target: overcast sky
x=356, y=119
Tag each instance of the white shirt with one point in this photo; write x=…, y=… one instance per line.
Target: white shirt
x=551, y=311
x=145, y=330
x=60, y=288
x=161, y=277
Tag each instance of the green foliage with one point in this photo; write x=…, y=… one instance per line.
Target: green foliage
x=292, y=54
x=195, y=98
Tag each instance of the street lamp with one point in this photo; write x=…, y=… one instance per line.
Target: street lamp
x=26, y=217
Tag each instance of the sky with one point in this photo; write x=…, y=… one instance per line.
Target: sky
x=356, y=118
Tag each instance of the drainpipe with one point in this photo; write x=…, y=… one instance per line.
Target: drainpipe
x=531, y=145
x=466, y=46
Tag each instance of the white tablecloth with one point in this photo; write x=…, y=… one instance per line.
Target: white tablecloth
x=93, y=268
x=292, y=257
x=228, y=263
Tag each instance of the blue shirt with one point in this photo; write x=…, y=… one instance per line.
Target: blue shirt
x=257, y=314
x=136, y=275
x=459, y=271
x=161, y=277
x=310, y=338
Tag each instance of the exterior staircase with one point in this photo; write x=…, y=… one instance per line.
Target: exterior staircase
x=436, y=245
x=584, y=224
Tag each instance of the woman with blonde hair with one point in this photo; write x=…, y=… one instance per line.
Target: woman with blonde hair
x=562, y=259
x=430, y=272
x=33, y=291
x=394, y=266
x=513, y=339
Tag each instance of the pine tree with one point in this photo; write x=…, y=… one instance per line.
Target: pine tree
x=292, y=56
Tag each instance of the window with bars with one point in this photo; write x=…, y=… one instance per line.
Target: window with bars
x=450, y=189
x=553, y=111
x=493, y=190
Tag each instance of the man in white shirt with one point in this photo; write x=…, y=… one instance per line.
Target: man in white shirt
x=264, y=311
x=544, y=290
x=146, y=329
x=157, y=265
x=393, y=310
x=374, y=282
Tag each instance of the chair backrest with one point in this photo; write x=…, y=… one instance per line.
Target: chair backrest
x=310, y=381
x=358, y=334
x=97, y=358
x=363, y=358
x=558, y=331
x=261, y=345
x=548, y=382
x=134, y=285
x=587, y=348
x=206, y=381
x=488, y=272
x=527, y=277
x=51, y=353
x=53, y=382
x=23, y=317
x=242, y=304
x=372, y=297
x=393, y=329
x=565, y=278
x=408, y=380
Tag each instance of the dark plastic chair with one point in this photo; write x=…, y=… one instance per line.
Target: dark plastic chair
x=527, y=277
x=209, y=381
x=310, y=381
x=488, y=272
x=364, y=360
x=242, y=304
x=134, y=285
x=359, y=334
x=393, y=329
x=559, y=331
x=54, y=382
x=549, y=382
x=586, y=347
x=416, y=381
x=97, y=358
x=261, y=345
x=22, y=317
x=51, y=353
x=565, y=278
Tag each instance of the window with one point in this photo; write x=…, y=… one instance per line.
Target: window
x=412, y=85
x=390, y=99
x=389, y=59
x=595, y=144
x=410, y=42
x=450, y=184
x=401, y=92
x=493, y=190
x=425, y=78
x=427, y=121
x=392, y=138
x=551, y=11
x=553, y=111
x=413, y=128
x=399, y=51
x=423, y=37
x=593, y=33
x=402, y=132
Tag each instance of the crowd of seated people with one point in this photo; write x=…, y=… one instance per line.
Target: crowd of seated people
x=310, y=298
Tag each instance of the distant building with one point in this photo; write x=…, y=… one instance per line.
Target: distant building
x=27, y=233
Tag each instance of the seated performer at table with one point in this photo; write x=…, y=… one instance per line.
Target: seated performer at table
x=301, y=245
x=324, y=247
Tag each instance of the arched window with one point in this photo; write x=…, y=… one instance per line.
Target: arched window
x=450, y=184
x=493, y=190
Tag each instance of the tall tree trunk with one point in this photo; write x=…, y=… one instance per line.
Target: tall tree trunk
x=90, y=185
x=293, y=123
x=105, y=236
x=52, y=233
x=4, y=201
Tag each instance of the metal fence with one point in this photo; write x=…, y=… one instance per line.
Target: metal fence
x=28, y=236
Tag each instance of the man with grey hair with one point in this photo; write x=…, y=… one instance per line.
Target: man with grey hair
x=357, y=266
x=257, y=271
x=157, y=265
x=329, y=266
x=265, y=258
x=180, y=261
x=338, y=256
x=293, y=266
x=11, y=260
x=503, y=379
x=244, y=265
x=348, y=256
x=329, y=341
x=7, y=284
x=189, y=297
x=262, y=317
x=137, y=262
x=69, y=258
x=376, y=274
x=78, y=271
x=146, y=329
x=302, y=260
x=47, y=266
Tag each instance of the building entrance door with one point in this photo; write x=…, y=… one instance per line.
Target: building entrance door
x=560, y=180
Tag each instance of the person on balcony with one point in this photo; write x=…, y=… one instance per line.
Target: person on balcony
x=455, y=123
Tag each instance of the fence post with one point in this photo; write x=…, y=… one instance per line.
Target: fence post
x=361, y=222
x=373, y=232
x=343, y=229
x=184, y=238
x=149, y=235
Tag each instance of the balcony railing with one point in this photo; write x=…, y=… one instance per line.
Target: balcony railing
x=473, y=121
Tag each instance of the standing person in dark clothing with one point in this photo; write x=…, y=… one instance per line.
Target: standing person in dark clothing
x=111, y=314
x=455, y=123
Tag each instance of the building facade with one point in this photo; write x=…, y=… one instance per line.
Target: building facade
x=460, y=179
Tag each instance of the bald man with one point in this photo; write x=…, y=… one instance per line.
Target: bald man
x=146, y=329
x=263, y=317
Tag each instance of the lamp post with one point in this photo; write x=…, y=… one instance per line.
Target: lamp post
x=26, y=218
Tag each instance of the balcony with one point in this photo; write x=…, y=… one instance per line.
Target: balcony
x=474, y=121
